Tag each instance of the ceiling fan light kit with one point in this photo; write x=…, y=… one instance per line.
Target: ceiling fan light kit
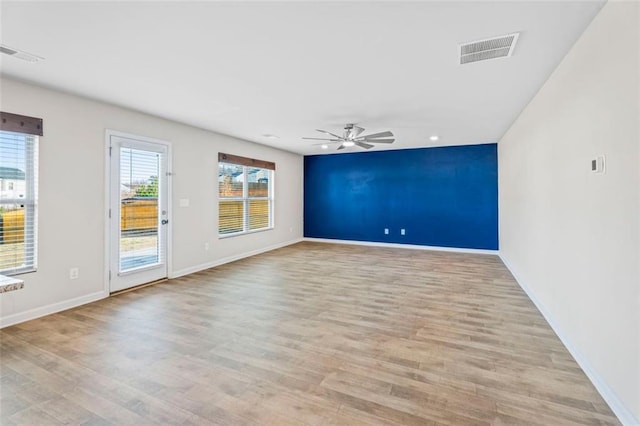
x=351, y=137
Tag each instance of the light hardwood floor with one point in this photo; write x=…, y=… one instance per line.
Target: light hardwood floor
x=315, y=334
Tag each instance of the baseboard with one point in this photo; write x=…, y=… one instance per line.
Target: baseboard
x=82, y=300
x=218, y=262
x=404, y=246
x=624, y=414
x=51, y=309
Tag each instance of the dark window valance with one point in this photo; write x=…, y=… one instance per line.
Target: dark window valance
x=244, y=161
x=20, y=124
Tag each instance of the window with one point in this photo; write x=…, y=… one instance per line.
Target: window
x=245, y=195
x=18, y=202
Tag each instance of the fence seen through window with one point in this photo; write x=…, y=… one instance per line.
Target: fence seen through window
x=18, y=202
x=245, y=198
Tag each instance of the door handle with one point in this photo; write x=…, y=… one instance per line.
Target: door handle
x=164, y=221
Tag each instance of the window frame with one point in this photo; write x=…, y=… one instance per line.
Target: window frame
x=30, y=203
x=246, y=198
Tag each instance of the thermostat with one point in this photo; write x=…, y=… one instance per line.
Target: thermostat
x=598, y=164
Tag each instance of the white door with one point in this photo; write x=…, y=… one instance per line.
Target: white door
x=138, y=211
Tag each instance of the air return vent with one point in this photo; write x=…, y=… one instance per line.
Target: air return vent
x=491, y=48
x=19, y=54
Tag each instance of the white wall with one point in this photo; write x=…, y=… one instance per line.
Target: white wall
x=572, y=238
x=72, y=196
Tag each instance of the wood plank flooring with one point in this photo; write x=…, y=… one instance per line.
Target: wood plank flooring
x=311, y=334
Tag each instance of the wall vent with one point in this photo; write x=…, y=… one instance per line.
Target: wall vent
x=491, y=48
x=19, y=54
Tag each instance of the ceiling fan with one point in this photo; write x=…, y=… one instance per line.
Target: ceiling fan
x=351, y=136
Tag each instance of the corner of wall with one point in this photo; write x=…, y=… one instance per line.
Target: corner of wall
x=610, y=397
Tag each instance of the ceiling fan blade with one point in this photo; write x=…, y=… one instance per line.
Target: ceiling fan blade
x=364, y=145
x=324, y=143
x=376, y=135
x=324, y=139
x=341, y=147
x=329, y=133
x=379, y=140
x=355, y=132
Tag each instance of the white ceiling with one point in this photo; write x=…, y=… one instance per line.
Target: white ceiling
x=287, y=68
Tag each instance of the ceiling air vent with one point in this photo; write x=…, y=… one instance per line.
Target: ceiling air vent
x=19, y=54
x=491, y=48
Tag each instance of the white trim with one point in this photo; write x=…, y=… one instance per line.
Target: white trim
x=29, y=202
x=229, y=259
x=236, y=234
x=169, y=146
x=404, y=246
x=51, y=309
x=107, y=206
x=246, y=199
x=83, y=300
x=141, y=269
x=617, y=406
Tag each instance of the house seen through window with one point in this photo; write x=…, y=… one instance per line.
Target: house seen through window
x=18, y=202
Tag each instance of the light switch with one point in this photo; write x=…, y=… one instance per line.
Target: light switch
x=184, y=202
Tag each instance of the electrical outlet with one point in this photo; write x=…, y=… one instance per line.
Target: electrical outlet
x=386, y=231
x=74, y=273
x=402, y=231
x=206, y=246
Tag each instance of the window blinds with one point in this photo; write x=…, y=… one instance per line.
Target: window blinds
x=18, y=202
x=140, y=191
x=245, y=198
x=231, y=194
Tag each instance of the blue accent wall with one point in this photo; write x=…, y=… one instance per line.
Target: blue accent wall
x=445, y=196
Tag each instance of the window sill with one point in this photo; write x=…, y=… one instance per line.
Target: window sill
x=237, y=234
x=18, y=272
x=8, y=284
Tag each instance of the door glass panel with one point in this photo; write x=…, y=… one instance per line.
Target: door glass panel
x=139, y=224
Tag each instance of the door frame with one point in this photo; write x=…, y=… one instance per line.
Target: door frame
x=107, y=200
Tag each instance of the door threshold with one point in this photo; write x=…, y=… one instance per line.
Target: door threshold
x=137, y=287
